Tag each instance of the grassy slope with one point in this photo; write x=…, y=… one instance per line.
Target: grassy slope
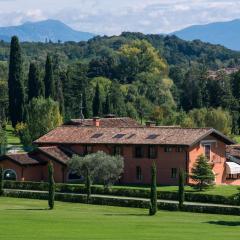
x=27, y=219
x=12, y=139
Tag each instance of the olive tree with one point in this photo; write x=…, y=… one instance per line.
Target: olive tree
x=97, y=168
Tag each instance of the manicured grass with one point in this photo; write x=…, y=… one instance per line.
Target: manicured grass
x=12, y=138
x=28, y=219
x=224, y=190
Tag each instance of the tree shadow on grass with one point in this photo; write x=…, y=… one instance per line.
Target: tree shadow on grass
x=27, y=209
x=125, y=214
x=225, y=223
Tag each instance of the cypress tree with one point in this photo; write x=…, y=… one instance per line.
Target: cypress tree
x=35, y=83
x=1, y=180
x=59, y=95
x=86, y=108
x=153, y=195
x=117, y=100
x=51, y=186
x=88, y=186
x=107, y=106
x=16, y=83
x=97, y=104
x=49, y=79
x=181, y=192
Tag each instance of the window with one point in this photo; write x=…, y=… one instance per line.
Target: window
x=88, y=149
x=117, y=150
x=174, y=173
x=119, y=135
x=10, y=174
x=139, y=152
x=167, y=149
x=152, y=136
x=97, y=135
x=179, y=149
x=152, y=152
x=139, y=173
x=233, y=176
x=207, y=151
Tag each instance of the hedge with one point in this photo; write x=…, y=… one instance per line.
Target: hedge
x=126, y=192
x=123, y=202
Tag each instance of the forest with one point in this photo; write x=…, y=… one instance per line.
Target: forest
x=147, y=77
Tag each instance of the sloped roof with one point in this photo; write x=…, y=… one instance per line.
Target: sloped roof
x=128, y=135
x=107, y=122
x=233, y=150
x=22, y=158
x=57, y=153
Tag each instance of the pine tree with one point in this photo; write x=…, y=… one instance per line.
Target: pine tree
x=51, y=186
x=35, y=84
x=1, y=180
x=97, y=103
x=181, y=193
x=202, y=173
x=49, y=79
x=16, y=83
x=153, y=196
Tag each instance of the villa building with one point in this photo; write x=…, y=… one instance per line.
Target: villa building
x=172, y=148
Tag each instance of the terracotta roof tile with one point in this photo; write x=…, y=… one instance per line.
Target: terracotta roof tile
x=107, y=122
x=233, y=150
x=22, y=158
x=129, y=135
x=57, y=153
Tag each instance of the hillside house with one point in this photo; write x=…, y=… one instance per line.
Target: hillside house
x=171, y=148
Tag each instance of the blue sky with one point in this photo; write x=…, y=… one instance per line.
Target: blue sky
x=114, y=16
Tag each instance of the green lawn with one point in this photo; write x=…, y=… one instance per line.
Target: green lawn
x=224, y=190
x=12, y=138
x=28, y=219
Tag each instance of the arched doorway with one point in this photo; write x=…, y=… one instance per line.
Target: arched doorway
x=9, y=174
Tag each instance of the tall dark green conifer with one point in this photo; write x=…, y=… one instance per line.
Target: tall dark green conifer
x=117, y=100
x=86, y=108
x=51, y=186
x=107, y=109
x=16, y=83
x=181, y=194
x=49, y=79
x=97, y=103
x=1, y=180
x=35, y=84
x=153, y=196
x=59, y=96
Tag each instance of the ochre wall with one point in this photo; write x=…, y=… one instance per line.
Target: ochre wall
x=26, y=173
x=217, y=161
x=164, y=162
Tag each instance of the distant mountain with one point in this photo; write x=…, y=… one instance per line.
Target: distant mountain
x=224, y=33
x=53, y=30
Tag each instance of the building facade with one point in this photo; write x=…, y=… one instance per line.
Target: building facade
x=171, y=148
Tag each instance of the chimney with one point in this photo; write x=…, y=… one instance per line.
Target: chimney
x=96, y=122
x=150, y=124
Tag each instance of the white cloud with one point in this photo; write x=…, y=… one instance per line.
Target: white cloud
x=115, y=16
